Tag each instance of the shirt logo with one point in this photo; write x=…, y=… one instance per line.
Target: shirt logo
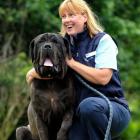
x=90, y=54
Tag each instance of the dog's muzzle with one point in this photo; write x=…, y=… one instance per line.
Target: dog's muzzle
x=47, y=67
x=48, y=70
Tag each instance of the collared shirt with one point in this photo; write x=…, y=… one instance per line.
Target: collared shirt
x=106, y=53
x=101, y=55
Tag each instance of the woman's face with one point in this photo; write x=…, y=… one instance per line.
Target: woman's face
x=73, y=23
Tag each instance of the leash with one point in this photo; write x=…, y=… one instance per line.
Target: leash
x=107, y=100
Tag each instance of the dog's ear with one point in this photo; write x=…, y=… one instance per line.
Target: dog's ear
x=32, y=52
x=68, y=47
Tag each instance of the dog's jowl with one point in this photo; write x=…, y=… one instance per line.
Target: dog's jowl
x=50, y=110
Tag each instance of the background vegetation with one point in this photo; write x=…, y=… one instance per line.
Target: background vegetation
x=21, y=20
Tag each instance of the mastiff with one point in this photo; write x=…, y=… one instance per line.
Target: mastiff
x=50, y=111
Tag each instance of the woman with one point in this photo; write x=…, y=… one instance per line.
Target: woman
x=98, y=67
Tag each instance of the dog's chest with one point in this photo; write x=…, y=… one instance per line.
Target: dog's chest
x=49, y=97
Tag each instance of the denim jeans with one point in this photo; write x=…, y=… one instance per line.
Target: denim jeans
x=91, y=120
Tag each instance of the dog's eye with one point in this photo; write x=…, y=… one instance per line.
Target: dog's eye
x=43, y=39
x=54, y=40
x=40, y=41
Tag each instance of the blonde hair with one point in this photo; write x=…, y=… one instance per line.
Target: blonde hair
x=80, y=6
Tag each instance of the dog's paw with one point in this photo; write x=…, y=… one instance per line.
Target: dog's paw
x=23, y=133
x=61, y=137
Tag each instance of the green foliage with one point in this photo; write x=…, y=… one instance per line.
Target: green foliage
x=133, y=130
x=23, y=20
x=14, y=93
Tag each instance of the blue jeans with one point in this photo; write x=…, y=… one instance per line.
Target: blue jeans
x=91, y=120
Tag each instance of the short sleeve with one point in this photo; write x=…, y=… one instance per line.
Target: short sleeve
x=106, y=53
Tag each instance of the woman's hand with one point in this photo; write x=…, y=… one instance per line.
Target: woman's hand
x=31, y=74
x=94, y=75
x=70, y=62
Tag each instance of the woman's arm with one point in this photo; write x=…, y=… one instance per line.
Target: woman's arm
x=102, y=73
x=31, y=74
x=94, y=75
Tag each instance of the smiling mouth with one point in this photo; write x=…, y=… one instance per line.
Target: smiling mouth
x=69, y=27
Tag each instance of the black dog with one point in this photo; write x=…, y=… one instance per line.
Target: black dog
x=50, y=110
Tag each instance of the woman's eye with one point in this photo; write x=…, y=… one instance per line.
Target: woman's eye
x=63, y=16
x=71, y=15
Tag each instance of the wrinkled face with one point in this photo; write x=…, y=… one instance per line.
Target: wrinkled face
x=73, y=22
x=48, y=53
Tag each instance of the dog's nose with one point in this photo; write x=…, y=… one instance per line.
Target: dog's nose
x=47, y=47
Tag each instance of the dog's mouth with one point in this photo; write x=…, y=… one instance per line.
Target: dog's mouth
x=48, y=69
x=48, y=63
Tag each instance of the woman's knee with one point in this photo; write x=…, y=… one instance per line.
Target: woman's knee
x=92, y=106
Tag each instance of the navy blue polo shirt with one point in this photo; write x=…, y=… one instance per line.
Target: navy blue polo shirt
x=83, y=49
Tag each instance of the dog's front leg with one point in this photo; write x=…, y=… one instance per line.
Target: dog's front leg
x=41, y=128
x=66, y=123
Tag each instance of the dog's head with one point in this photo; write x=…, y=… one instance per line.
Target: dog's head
x=48, y=52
